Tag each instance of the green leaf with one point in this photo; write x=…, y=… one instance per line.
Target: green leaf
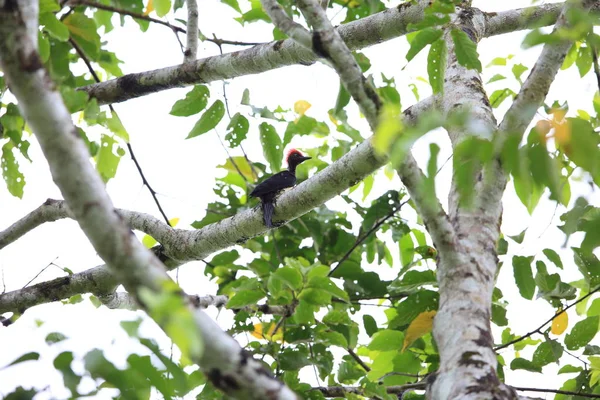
x=15, y=181
x=554, y=257
x=317, y=297
x=54, y=27
x=75, y=100
x=584, y=61
x=233, y=4
x=272, y=146
x=162, y=7
x=436, y=65
x=386, y=340
x=237, y=130
x=71, y=380
x=44, y=47
x=48, y=6
x=195, y=101
x=518, y=70
x=370, y=325
x=84, y=32
x=208, y=120
x=412, y=306
x=546, y=353
x=521, y=363
x=498, y=96
x=291, y=277
x=245, y=298
x=31, y=356
x=423, y=38
x=524, y=276
x=55, y=337
x=466, y=50
x=495, y=78
x=116, y=126
x=413, y=281
x=325, y=284
x=109, y=155
x=583, y=149
x=582, y=333
x=568, y=369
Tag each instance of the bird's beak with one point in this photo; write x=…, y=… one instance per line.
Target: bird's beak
x=305, y=158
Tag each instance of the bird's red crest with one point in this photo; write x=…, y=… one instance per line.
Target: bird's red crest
x=293, y=151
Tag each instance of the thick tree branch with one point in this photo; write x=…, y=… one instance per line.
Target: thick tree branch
x=365, y=32
x=179, y=246
x=124, y=300
x=54, y=210
x=328, y=44
x=143, y=275
x=467, y=256
x=286, y=24
x=191, y=51
x=536, y=86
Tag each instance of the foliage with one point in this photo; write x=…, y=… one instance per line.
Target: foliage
x=325, y=265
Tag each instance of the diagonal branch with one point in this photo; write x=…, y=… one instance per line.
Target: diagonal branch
x=536, y=86
x=328, y=44
x=223, y=361
x=179, y=246
x=54, y=210
x=377, y=28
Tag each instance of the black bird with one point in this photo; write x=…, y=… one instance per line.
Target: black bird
x=268, y=189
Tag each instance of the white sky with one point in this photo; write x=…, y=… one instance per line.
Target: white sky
x=183, y=173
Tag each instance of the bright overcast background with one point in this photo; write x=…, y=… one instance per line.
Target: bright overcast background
x=183, y=171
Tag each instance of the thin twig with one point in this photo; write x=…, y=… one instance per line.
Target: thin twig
x=585, y=363
x=252, y=167
x=83, y=56
x=366, y=235
x=358, y=359
x=538, y=330
x=275, y=247
x=43, y=269
x=176, y=29
x=596, y=67
x=121, y=11
x=557, y=391
x=231, y=158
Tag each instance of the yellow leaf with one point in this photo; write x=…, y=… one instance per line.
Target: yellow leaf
x=333, y=119
x=259, y=333
x=148, y=241
x=301, y=106
x=149, y=7
x=418, y=327
x=174, y=221
x=560, y=323
x=562, y=130
x=543, y=127
x=242, y=164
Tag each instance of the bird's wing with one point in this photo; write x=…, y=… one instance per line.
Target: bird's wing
x=274, y=184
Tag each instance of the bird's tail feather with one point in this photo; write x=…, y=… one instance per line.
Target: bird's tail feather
x=268, y=208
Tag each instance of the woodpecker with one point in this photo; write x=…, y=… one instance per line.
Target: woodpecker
x=269, y=188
